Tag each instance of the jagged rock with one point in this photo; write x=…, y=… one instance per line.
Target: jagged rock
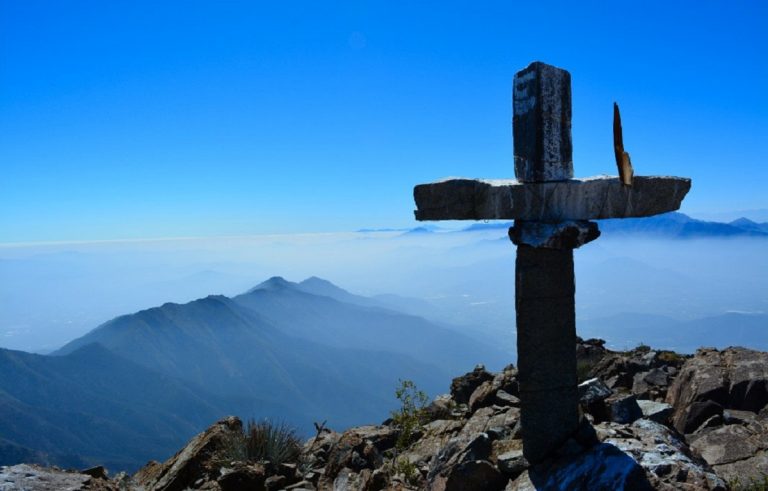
x=735, y=378
x=603, y=467
x=99, y=472
x=512, y=463
x=463, y=387
x=436, y=436
x=243, y=476
x=667, y=461
x=483, y=396
x=273, y=483
x=736, y=417
x=360, y=448
x=624, y=409
x=592, y=391
x=36, y=478
x=657, y=377
x=441, y=407
x=655, y=411
x=193, y=461
x=735, y=451
x=504, y=398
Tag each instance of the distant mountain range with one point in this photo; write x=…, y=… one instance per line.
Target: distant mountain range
x=138, y=386
x=728, y=329
x=666, y=225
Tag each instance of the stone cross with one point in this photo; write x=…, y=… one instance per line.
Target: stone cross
x=551, y=210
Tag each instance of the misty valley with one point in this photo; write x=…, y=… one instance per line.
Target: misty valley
x=116, y=353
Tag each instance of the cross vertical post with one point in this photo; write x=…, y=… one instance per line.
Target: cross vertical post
x=544, y=280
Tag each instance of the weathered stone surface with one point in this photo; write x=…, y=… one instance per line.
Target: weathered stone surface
x=252, y=477
x=546, y=337
x=576, y=199
x=655, y=411
x=35, y=478
x=463, y=387
x=604, y=467
x=735, y=451
x=667, y=461
x=358, y=448
x=624, y=409
x=593, y=390
x=183, y=469
x=542, y=123
x=569, y=234
x=735, y=378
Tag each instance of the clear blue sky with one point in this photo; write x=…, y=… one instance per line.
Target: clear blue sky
x=133, y=119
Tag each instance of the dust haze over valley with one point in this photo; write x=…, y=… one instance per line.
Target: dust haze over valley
x=656, y=286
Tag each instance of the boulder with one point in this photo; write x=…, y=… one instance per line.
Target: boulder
x=463, y=387
x=592, y=391
x=624, y=409
x=666, y=459
x=243, y=476
x=735, y=378
x=603, y=467
x=655, y=411
x=360, y=448
x=193, y=461
x=735, y=451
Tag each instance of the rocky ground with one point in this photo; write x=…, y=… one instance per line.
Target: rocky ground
x=652, y=420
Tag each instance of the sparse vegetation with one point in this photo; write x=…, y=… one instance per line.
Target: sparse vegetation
x=264, y=442
x=758, y=484
x=408, y=418
x=583, y=369
x=642, y=348
x=411, y=413
x=671, y=357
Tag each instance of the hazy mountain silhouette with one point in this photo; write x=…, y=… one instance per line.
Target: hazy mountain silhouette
x=665, y=225
x=721, y=331
x=93, y=407
x=137, y=386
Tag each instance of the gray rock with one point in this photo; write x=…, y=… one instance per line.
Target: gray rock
x=184, y=468
x=504, y=398
x=474, y=475
x=512, y=463
x=736, y=451
x=463, y=387
x=593, y=390
x=655, y=411
x=735, y=378
x=483, y=396
x=542, y=123
x=603, y=467
x=736, y=417
x=667, y=460
x=624, y=409
x=576, y=199
x=35, y=478
x=657, y=377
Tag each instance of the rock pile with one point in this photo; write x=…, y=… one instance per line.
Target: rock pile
x=651, y=420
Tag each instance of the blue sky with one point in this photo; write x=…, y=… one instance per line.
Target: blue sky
x=160, y=119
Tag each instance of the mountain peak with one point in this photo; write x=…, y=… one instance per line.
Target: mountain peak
x=274, y=283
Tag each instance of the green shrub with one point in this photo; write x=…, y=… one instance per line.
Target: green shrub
x=642, y=348
x=409, y=417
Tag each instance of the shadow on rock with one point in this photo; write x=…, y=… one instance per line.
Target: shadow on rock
x=603, y=467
